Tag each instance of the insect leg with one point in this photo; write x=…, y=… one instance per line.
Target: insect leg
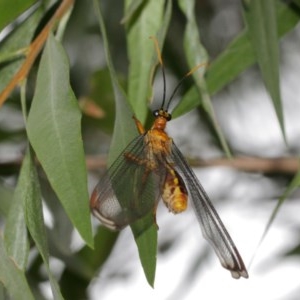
x=139, y=125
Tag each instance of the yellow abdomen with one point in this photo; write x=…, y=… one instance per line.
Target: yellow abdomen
x=174, y=193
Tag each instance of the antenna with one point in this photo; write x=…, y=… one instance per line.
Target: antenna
x=193, y=70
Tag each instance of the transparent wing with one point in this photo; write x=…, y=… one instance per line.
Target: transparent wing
x=130, y=188
x=211, y=225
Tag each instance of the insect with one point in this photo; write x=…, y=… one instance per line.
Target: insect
x=152, y=167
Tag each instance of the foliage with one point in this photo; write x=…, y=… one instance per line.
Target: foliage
x=52, y=172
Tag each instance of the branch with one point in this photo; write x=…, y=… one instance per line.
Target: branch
x=281, y=165
x=285, y=165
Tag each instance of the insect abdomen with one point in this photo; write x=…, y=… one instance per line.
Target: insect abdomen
x=174, y=192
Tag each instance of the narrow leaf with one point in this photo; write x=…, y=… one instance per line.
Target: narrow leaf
x=131, y=10
x=15, y=233
x=83, y=266
x=54, y=131
x=124, y=128
x=6, y=199
x=145, y=229
x=61, y=232
x=9, y=12
x=13, y=278
x=94, y=259
x=3, y=293
x=124, y=132
x=145, y=235
x=140, y=53
x=160, y=37
x=196, y=54
x=262, y=23
x=297, y=2
x=236, y=58
x=295, y=184
x=31, y=195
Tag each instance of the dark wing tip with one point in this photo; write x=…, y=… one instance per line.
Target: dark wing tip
x=239, y=273
x=236, y=266
x=106, y=222
x=96, y=211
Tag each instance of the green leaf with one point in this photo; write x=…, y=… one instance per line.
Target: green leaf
x=102, y=94
x=82, y=267
x=236, y=58
x=13, y=278
x=160, y=37
x=31, y=195
x=196, y=54
x=55, y=134
x=104, y=242
x=131, y=10
x=9, y=11
x=295, y=184
x=12, y=47
x=61, y=232
x=15, y=233
x=145, y=229
x=3, y=294
x=124, y=128
x=297, y=2
x=124, y=132
x=140, y=53
x=145, y=235
x=6, y=199
x=262, y=23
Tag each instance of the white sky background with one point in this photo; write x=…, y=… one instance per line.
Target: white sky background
x=271, y=276
x=244, y=202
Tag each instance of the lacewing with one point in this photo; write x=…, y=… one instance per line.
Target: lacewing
x=151, y=168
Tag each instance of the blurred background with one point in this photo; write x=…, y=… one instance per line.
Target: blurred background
x=187, y=268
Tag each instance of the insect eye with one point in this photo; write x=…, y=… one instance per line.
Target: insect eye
x=168, y=117
x=156, y=113
x=162, y=113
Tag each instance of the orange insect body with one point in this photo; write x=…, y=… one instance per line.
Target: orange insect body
x=174, y=192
